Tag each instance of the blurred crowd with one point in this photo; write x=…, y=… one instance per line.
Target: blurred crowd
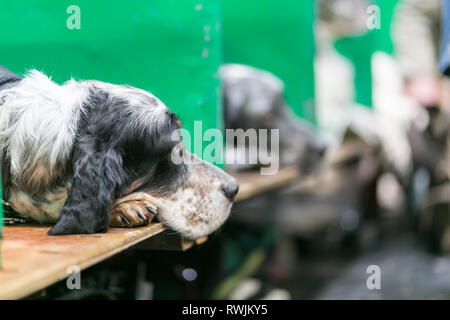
x=389, y=159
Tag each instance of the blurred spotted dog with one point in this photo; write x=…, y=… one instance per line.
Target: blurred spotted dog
x=88, y=155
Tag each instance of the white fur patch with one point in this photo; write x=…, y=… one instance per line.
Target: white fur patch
x=38, y=120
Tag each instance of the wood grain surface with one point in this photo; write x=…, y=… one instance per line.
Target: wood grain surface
x=32, y=260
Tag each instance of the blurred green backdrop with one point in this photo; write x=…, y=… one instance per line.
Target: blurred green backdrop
x=359, y=50
x=171, y=48
x=276, y=36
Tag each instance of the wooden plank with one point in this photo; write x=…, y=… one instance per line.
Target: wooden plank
x=32, y=260
x=252, y=184
x=167, y=241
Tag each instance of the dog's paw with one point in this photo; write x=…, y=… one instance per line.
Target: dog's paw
x=134, y=210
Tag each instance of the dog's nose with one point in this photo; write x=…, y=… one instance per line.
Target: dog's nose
x=230, y=190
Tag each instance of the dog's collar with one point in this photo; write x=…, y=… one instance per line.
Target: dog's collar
x=7, y=78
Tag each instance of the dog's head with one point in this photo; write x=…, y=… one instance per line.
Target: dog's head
x=193, y=196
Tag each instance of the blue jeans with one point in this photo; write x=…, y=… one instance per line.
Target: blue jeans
x=444, y=63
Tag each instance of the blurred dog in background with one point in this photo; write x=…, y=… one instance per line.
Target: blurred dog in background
x=254, y=99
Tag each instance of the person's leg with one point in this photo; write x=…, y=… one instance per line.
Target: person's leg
x=445, y=101
x=444, y=63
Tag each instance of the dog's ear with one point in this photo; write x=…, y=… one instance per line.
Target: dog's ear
x=96, y=176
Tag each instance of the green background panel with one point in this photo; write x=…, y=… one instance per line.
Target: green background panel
x=276, y=36
x=359, y=50
x=171, y=48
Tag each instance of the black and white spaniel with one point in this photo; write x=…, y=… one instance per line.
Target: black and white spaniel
x=88, y=155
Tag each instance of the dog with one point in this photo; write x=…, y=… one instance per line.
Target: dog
x=87, y=155
x=254, y=99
